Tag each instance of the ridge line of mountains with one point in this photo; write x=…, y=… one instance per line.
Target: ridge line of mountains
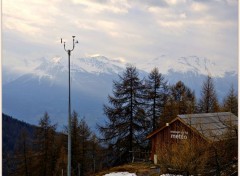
x=44, y=88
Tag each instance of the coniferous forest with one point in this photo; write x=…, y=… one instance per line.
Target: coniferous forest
x=136, y=107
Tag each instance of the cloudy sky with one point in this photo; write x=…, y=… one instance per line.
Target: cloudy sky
x=134, y=31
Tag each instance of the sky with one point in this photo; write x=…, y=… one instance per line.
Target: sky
x=132, y=31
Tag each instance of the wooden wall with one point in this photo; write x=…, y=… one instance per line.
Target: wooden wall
x=174, y=133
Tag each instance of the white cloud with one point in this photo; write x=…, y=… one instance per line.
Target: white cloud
x=85, y=24
x=232, y=2
x=183, y=16
x=199, y=7
x=171, y=24
x=106, y=25
x=133, y=30
x=175, y=2
x=98, y=7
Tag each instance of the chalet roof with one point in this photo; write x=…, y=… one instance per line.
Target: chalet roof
x=213, y=126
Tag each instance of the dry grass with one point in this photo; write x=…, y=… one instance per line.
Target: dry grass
x=139, y=168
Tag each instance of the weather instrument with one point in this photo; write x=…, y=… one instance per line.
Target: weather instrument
x=69, y=104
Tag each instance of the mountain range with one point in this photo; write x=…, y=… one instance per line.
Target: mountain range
x=45, y=87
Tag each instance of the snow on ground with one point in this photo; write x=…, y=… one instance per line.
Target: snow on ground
x=170, y=175
x=131, y=174
x=120, y=174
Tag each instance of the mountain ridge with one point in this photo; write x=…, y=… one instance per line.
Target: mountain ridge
x=103, y=65
x=45, y=87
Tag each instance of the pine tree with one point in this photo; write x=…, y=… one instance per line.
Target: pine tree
x=22, y=155
x=25, y=151
x=61, y=154
x=125, y=127
x=94, y=147
x=184, y=98
x=208, y=102
x=75, y=142
x=45, y=143
x=80, y=135
x=181, y=100
x=61, y=163
x=156, y=97
x=230, y=102
x=84, y=134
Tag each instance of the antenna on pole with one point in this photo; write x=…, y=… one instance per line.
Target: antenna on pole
x=69, y=106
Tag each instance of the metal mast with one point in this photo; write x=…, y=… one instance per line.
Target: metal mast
x=69, y=107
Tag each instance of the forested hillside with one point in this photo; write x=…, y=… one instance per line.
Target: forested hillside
x=41, y=150
x=11, y=132
x=136, y=107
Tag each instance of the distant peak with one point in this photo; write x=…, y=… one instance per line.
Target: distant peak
x=56, y=59
x=101, y=58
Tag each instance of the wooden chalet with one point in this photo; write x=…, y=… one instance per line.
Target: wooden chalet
x=206, y=127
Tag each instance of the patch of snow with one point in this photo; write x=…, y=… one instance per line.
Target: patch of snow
x=120, y=174
x=169, y=175
x=132, y=174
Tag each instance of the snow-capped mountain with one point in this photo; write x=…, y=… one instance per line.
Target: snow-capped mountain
x=45, y=87
x=194, y=64
x=197, y=65
x=96, y=65
x=100, y=64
